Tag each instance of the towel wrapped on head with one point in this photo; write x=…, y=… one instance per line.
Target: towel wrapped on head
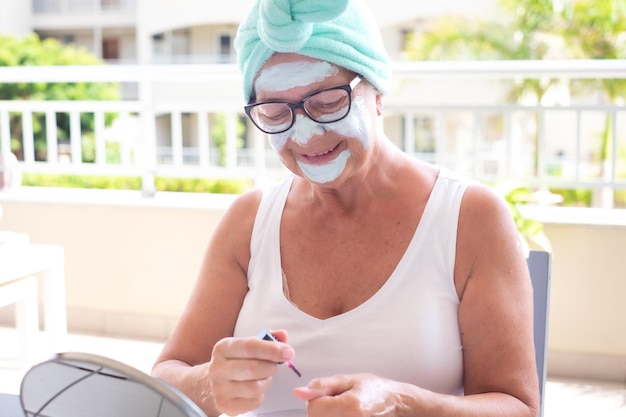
x=342, y=32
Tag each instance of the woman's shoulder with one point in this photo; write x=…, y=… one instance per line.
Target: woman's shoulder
x=245, y=207
x=479, y=202
x=247, y=202
x=238, y=219
x=484, y=198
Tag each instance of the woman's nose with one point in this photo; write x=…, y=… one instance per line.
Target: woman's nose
x=305, y=129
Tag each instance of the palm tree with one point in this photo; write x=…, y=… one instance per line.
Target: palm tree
x=537, y=29
x=523, y=35
x=527, y=34
x=596, y=29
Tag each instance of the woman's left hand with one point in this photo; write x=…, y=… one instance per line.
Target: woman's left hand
x=350, y=395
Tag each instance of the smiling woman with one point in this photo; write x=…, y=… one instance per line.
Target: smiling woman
x=330, y=109
x=340, y=109
x=360, y=261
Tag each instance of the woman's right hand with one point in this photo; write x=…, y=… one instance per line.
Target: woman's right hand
x=241, y=369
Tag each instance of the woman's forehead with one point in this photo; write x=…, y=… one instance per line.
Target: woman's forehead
x=283, y=73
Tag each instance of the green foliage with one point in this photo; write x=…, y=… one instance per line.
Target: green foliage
x=218, y=133
x=583, y=198
x=535, y=29
x=620, y=199
x=574, y=197
x=202, y=185
x=530, y=229
x=81, y=181
x=32, y=51
x=594, y=28
x=188, y=185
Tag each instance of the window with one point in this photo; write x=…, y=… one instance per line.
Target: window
x=111, y=49
x=225, y=48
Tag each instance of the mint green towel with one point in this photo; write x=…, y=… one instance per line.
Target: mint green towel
x=342, y=32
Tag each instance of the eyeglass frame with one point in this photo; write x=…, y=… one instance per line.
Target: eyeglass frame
x=349, y=88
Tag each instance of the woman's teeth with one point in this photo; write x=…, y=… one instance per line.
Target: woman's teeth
x=321, y=153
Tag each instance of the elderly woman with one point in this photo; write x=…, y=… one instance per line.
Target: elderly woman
x=392, y=286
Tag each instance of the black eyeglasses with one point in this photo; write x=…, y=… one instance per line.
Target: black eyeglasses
x=326, y=106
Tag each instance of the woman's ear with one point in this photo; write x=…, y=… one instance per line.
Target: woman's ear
x=379, y=104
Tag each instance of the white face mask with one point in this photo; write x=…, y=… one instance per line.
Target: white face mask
x=353, y=126
x=328, y=172
x=285, y=76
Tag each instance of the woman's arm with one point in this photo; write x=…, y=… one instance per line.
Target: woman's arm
x=201, y=358
x=496, y=310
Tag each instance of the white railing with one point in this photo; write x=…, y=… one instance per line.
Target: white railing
x=433, y=112
x=82, y=6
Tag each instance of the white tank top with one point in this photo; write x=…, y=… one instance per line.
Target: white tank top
x=407, y=331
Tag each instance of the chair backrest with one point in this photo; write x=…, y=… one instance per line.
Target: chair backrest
x=539, y=266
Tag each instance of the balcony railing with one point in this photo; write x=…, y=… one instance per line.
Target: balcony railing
x=447, y=113
x=82, y=6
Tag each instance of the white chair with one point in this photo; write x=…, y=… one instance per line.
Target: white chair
x=22, y=292
x=539, y=266
x=29, y=272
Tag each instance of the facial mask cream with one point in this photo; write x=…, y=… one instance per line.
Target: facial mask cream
x=327, y=172
x=283, y=77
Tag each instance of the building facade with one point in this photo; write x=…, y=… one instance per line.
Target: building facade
x=187, y=31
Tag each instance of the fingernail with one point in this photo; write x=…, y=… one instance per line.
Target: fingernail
x=288, y=352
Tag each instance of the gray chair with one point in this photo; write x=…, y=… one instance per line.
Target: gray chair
x=539, y=266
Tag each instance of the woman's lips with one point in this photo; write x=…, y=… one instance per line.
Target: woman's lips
x=321, y=156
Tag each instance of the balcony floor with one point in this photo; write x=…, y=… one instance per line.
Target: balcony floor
x=564, y=397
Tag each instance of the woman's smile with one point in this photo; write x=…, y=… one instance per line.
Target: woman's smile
x=321, y=157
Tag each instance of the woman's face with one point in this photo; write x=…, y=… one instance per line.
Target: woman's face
x=321, y=152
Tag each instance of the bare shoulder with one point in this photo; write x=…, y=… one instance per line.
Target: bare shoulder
x=482, y=202
x=231, y=238
x=243, y=208
x=487, y=238
x=484, y=216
